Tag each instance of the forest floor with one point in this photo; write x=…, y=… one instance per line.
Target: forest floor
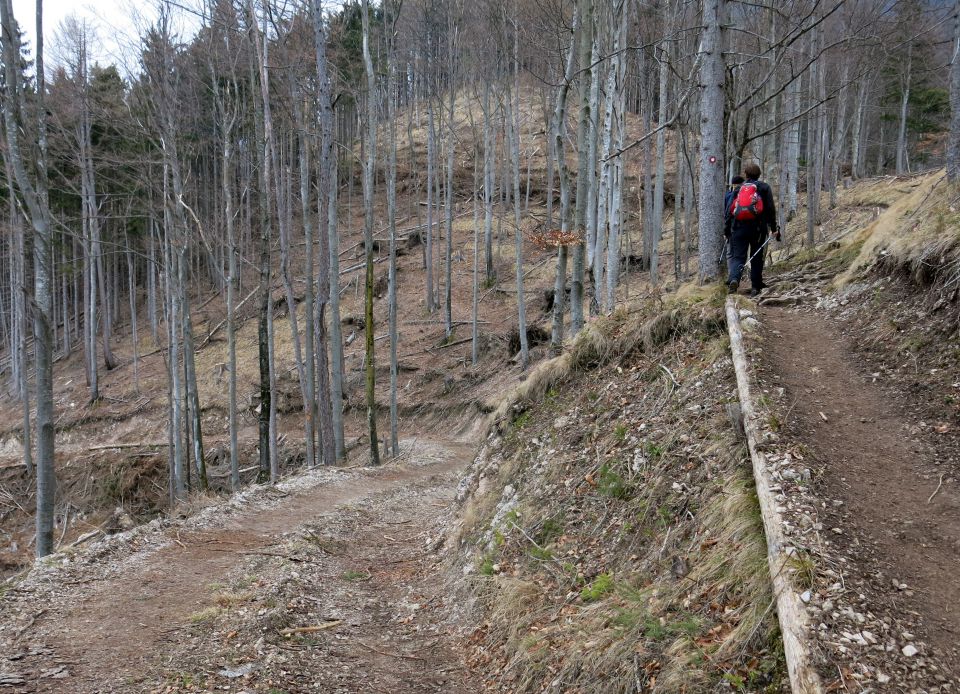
x=879, y=507
x=325, y=583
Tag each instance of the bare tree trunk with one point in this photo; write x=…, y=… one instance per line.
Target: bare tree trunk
x=856, y=138
x=227, y=121
x=591, y=212
x=266, y=429
x=839, y=135
x=614, y=214
x=310, y=376
x=190, y=373
x=20, y=289
x=37, y=204
x=330, y=410
x=448, y=246
x=902, y=165
x=712, y=73
x=646, y=157
x=585, y=178
x=661, y=156
x=369, y=164
x=431, y=173
x=132, y=290
x=489, y=174
x=513, y=128
x=558, y=150
x=392, y=223
x=336, y=337
x=475, y=304
x=953, y=142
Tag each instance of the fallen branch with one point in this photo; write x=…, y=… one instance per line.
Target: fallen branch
x=311, y=629
x=360, y=266
x=431, y=349
x=791, y=613
x=936, y=490
x=389, y=655
x=211, y=333
x=669, y=374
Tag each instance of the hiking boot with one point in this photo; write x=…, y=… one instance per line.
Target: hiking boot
x=755, y=292
x=732, y=287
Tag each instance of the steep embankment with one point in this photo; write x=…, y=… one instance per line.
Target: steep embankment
x=610, y=535
x=610, y=531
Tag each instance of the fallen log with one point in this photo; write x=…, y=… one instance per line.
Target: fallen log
x=791, y=613
x=310, y=629
x=112, y=446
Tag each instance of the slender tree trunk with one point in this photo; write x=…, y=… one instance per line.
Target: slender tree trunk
x=37, y=204
x=132, y=290
x=178, y=483
x=309, y=359
x=953, y=142
x=585, y=178
x=710, y=204
x=336, y=337
x=489, y=174
x=856, y=137
x=558, y=150
x=475, y=304
x=190, y=374
x=902, y=166
x=448, y=246
x=592, y=138
x=431, y=173
x=392, y=223
x=513, y=128
x=661, y=163
x=369, y=164
x=227, y=121
x=330, y=406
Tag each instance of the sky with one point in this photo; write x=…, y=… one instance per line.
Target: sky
x=114, y=25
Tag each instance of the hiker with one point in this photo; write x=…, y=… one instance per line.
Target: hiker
x=749, y=218
x=735, y=184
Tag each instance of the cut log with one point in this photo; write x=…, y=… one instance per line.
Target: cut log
x=110, y=446
x=791, y=613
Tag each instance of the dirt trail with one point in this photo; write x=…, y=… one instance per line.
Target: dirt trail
x=875, y=461
x=136, y=627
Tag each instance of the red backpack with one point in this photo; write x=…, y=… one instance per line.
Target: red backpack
x=747, y=204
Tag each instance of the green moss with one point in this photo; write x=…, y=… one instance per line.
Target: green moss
x=612, y=484
x=597, y=588
x=541, y=553
x=486, y=566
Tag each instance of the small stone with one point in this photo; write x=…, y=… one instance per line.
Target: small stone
x=836, y=531
x=805, y=596
x=883, y=679
x=909, y=650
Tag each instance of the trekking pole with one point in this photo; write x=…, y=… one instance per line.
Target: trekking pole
x=723, y=251
x=759, y=250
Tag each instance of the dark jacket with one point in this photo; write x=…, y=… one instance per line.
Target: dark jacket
x=728, y=198
x=762, y=226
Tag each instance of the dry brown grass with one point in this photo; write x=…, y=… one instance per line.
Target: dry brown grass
x=689, y=632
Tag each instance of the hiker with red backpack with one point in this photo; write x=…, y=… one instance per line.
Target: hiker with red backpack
x=749, y=218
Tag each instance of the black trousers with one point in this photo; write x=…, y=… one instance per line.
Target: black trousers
x=743, y=244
